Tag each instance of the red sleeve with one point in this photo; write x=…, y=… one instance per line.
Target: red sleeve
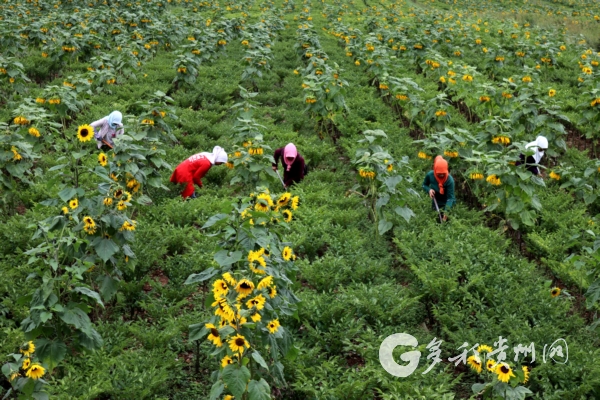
x=203, y=167
x=277, y=155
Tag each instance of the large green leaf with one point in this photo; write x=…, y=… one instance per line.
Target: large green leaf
x=236, y=378
x=224, y=259
x=216, y=390
x=50, y=352
x=105, y=248
x=90, y=293
x=260, y=360
x=201, y=277
x=259, y=390
x=67, y=194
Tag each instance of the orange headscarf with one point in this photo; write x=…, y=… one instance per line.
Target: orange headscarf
x=440, y=166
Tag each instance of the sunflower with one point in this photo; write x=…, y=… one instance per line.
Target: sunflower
x=16, y=155
x=118, y=193
x=504, y=372
x=286, y=253
x=284, y=199
x=26, y=363
x=89, y=225
x=273, y=326
x=74, y=204
x=244, y=287
x=484, y=347
x=552, y=93
x=27, y=349
x=128, y=226
x=490, y=365
x=238, y=344
x=229, y=279
x=220, y=288
x=213, y=336
x=295, y=201
x=226, y=361
x=475, y=363
x=65, y=210
x=265, y=282
x=102, y=159
x=223, y=310
x=34, y=132
x=121, y=205
x=525, y=373
x=555, y=292
x=272, y=291
x=85, y=133
x=390, y=167
x=263, y=202
x=13, y=376
x=127, y=197
x=287, y=215
x=108, y=201
x=256, y=317
x=258, y=302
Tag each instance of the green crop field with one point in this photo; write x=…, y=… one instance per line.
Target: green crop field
x=112, y=286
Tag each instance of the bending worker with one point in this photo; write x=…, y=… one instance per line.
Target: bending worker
x=439, y=184
x=538, y=146
x=107, y=128
x=294, y=165
x=194, y=168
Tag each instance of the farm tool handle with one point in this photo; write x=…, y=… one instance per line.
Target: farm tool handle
x=281, y=180
x=438, y=210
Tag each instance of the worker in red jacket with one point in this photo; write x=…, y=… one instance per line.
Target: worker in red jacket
x=194, y=168
x=294, y=165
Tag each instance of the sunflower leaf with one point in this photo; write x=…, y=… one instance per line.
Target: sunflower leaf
x=201, y=277
x=236, y=378
x=261, y=361
x=259, y=390
x=67, y=194
x=224, y=259
x=197, y=331
x=216, y=390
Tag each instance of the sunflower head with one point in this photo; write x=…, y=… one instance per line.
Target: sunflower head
x=287, y=253
x=36, y=371
x=74, y=204
x=490, y=365
x=555, y=292
x=85, y=133
x=102, y=159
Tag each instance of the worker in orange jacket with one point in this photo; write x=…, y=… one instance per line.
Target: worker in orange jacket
x=194, y=168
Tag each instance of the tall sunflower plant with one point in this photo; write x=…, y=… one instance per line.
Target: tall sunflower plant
x=76, y=266
x=251, y=291
x=379, y=178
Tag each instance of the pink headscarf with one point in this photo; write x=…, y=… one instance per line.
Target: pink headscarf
x=289, y=151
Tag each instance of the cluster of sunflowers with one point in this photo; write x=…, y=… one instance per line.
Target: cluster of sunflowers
x=451, y=153
x=476, y=176
x=25, y=367
x=502, y=370
x=121, y=197
x=236, y=301
x=264, y=202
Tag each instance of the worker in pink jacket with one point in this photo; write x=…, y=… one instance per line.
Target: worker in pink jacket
x=194, y=168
